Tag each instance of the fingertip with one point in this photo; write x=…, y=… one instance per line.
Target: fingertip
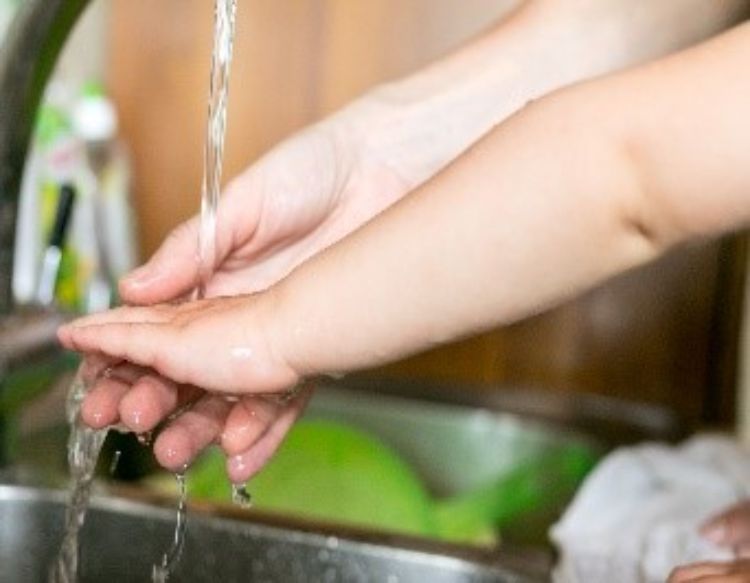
x=138, y=411
x=174, y=450
x=136, y=285
x=97, y=414
x=63, y=336
x=240, y=468
x=100, y=407
x=149, y=401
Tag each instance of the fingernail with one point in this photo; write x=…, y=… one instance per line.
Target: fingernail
x=137, y=276
x=715, y=532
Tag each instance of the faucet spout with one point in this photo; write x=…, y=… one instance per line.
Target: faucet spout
x=27, y=59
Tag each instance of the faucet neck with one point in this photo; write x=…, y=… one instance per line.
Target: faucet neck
x=27, y=59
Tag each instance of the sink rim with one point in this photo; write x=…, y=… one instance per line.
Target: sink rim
x=526, y=564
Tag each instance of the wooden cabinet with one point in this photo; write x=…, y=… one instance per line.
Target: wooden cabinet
x=666, y=334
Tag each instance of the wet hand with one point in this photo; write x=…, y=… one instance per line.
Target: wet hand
x=301, y=197
x=140, y=380
x=731, y=528
x=729, y=572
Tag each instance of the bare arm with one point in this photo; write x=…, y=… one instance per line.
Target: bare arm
x=582, y=185
x=427, y=119
x=577, y=187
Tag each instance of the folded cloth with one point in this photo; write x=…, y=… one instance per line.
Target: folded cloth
x=637, y=515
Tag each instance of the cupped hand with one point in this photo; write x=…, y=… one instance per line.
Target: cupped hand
x=301, y=197
x=146, y=363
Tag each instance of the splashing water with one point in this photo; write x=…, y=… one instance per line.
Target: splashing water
x=84, y=445
x=170, y=559
x=240, y=496
x=145, y=439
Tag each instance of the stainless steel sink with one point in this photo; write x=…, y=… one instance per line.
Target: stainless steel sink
x=455, y=439
x=122, y=539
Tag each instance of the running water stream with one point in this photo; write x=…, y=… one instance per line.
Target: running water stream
x=84, y=444
x=221, y=61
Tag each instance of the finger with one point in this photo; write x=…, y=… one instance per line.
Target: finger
x=100, y=406
x=94, y=366
x=126, y=372
x=67, y=335
x=152, y=399
x=244, y=466
x=109, y=384
x=149, y=345
x=730, y=528
x=690, y=573
x=247, y=422
x=185, y=437
x=171, y=272
x=152, y=314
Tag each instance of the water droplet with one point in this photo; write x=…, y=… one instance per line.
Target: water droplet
x=146, y=439
x=114, y=462
x=161, y=573
x=240, y=496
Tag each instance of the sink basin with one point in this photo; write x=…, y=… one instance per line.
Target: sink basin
x=123, y=538
x=457, y=440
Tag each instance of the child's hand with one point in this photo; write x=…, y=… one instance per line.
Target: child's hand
x=155, y=357
x=730, y=572
x=731, y=528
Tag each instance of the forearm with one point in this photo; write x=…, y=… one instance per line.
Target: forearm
x=524, y=219
x=427, y=119
x=576, y=188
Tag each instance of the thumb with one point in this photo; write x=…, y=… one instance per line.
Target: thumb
x=171, y=272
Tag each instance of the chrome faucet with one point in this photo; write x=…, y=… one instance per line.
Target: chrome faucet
x=27, y=58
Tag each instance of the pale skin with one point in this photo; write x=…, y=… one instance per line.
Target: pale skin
x=387, y=238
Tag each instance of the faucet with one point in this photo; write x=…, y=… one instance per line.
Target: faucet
x=27, y=58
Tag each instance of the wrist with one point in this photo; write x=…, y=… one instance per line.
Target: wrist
x=285, y=338
x=418, y=124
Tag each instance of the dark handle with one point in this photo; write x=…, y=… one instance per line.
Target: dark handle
x=63, y=215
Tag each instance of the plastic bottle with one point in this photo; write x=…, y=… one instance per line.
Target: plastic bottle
x=95, y=123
